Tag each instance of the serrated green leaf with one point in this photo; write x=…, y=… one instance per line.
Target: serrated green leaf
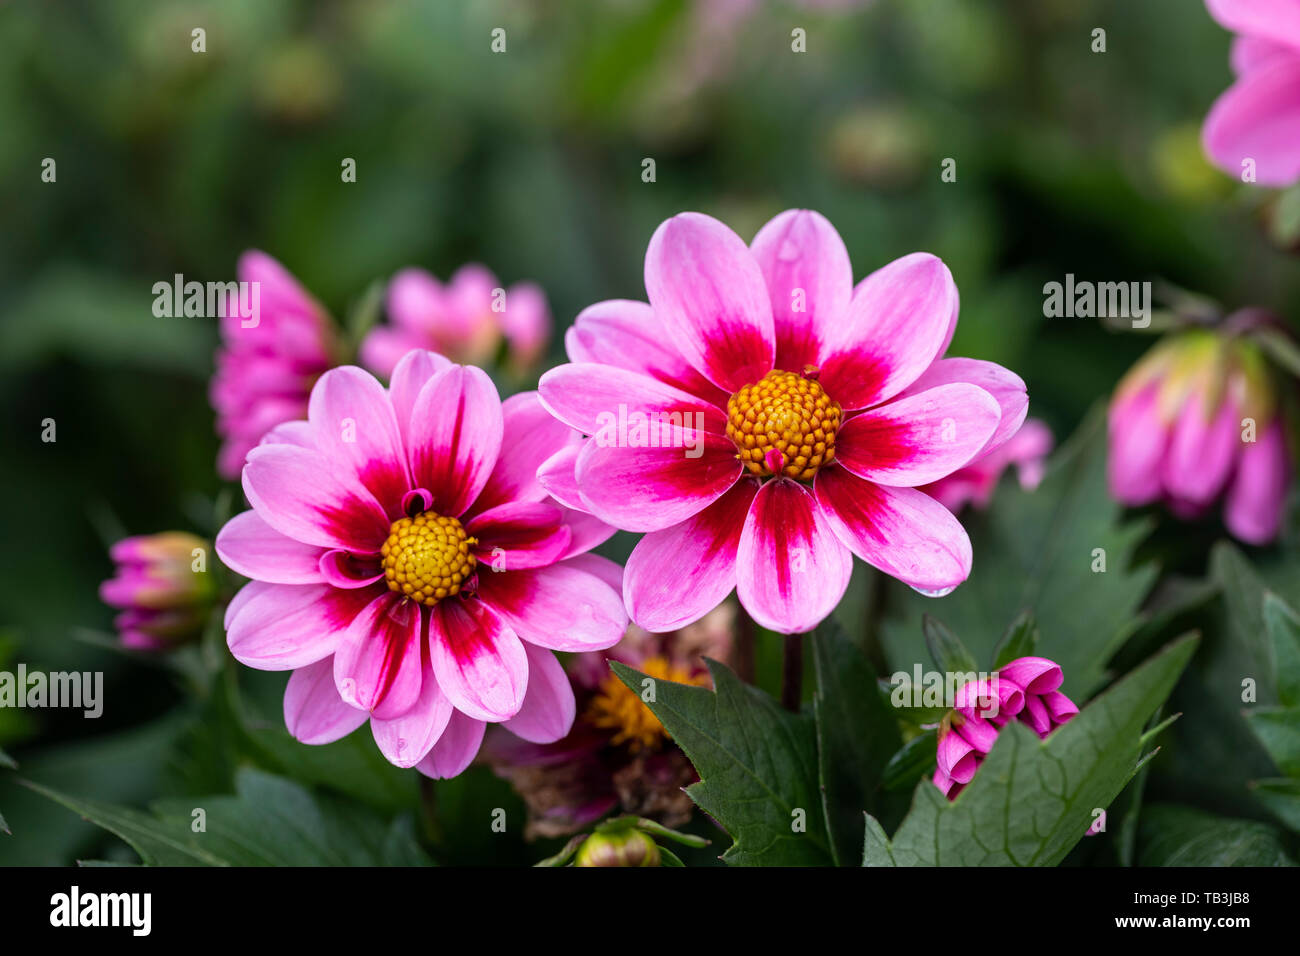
x=1281, y=796
x=1181, y=836
x=1278, y=729
x=856, y=736
x=946, y=649
x=757, y=765
x=1019, y=641
x=1036, y=551
x=1283, y=626
x=1032, y=800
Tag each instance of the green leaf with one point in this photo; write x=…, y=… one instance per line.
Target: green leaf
x=1283, y=626
x=1181, y=836
x=912, y=762
x=946, y=649
x=8, y=761
x=1019, y=641
x=1278, y=729
x=856, y=736
x=270, y=821
x=1281, y=797
x=1036, y=551
x=1032, y=800
x=757, y=765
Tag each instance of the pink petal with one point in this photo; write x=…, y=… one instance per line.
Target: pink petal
x=1035, y=675
x=608, y=402
x=526, y=322
x=557, y=476
x=1137, y=445
x=1059, y=706
x=313, y=710
x=456, y=431
x=1277, y=20
x=646, y=489
x=455, y=749
x=280, y=627
x=611, y=572
x=291, y=433
x=518, y=535
x=901, y=531
x=409, y=377
x=355, y=428
x=549, y=705
x=1202, y=450
x=1256, y=118
x=478, y=659
x=384, y=347
x=1252, y=52
x=898, y=322
x=416, y=300
x=977, y=732
x=251, y=547
x=915, y=440
x=676, y=576
x=1035, y=715
x=564, y=607
x=791, y=570
x=407, y=739
x=377, y=664
x=297, y=492
x=1005, y=386
x=708, y=292
x=586, y=531
x=624, y=334
x=530, y=436
x=1256, y=498
x=957, y=758
x=809, y=282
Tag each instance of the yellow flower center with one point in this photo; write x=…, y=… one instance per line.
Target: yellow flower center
x=428, y=557
x=619, y=708
x=784, y=424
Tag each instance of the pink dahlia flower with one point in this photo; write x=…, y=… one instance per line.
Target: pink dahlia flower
x=410, y=570
x=1026, y=690
x=268, y=362
x=1198, y=418
x=162, y=587
x=465, y=320
x=1027, y=451
x=1258, y=117
x=764, y=420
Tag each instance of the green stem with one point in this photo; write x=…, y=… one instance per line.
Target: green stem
x=792, y=673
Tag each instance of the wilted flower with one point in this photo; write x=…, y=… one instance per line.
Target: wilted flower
x=1198, y=417
x=764, y=421
x=409, y=569
x=269, y=361
x=1027, y=451
x=1025, y=689
x=1253, y=125
x=162, y=587
x=618, y=755
x=465, y=320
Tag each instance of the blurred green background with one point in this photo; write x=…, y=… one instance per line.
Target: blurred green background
x=529, y=161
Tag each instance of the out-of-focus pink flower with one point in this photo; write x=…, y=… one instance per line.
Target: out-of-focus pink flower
x=1027, y=451
x=268, y=362
x=618, y=755
x=1198, y=418
x=764, y=420
x=1258, y=117
x=1026, y=690
x=162, y=587
x=465, y=320
x=411, y=571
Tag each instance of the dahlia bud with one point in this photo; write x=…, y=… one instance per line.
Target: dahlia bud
x=1197, y=418
x=163, y=588
x=624, y=847
x=1025, y=689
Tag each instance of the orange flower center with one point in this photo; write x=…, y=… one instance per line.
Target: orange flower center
x=784, y=424
x=428, y=557
x=619, y=708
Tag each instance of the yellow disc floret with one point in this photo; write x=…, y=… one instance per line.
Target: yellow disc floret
x=428, y=557
x=783, y=424
x=618, y=708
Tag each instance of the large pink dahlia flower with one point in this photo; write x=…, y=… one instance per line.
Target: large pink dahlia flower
x=411, y=571
x=267, y=363
x=1258, y=117
x=763, y=420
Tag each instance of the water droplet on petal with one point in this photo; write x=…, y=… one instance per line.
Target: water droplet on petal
x=936, y=592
